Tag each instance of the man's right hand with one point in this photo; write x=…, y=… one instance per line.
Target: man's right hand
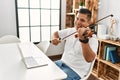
x=55, y=41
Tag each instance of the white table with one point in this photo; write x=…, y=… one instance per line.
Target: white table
x=13, y=68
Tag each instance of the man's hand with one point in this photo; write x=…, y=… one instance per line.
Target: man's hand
x=55, y=41
x=82, y=31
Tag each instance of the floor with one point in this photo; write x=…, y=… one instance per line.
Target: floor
x=91, y=77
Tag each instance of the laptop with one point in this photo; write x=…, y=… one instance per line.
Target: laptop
x=29, y=60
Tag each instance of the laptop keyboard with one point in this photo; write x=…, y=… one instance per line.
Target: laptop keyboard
x=31, y=62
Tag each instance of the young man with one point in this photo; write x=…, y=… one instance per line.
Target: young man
x=79, y=51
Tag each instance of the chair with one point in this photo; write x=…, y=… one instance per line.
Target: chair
x=9, y=39
x=90, y=70
x=43, y=46
x=55, y=49
x=50, y=49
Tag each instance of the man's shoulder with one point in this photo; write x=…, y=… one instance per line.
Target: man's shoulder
x=94, y=35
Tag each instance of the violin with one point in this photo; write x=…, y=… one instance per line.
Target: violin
x=89, y=32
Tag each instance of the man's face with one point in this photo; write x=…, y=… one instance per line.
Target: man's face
x=81, y=21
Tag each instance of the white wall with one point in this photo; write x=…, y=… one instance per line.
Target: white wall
x=63, y=11
x=8, y=17
x=108, y=7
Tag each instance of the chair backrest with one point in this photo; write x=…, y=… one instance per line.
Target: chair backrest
x=55, y=49
x=90, y=70
x=43, y=46
x=9, y=39
x=49, y=49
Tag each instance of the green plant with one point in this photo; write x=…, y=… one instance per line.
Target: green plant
x=81, y=3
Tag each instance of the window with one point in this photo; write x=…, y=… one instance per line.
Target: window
x=37, y=19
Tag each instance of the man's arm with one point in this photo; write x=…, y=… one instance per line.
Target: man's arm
x=88, y=54
x=55, y=38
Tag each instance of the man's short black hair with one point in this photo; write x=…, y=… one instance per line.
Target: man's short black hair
x=86, y=11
